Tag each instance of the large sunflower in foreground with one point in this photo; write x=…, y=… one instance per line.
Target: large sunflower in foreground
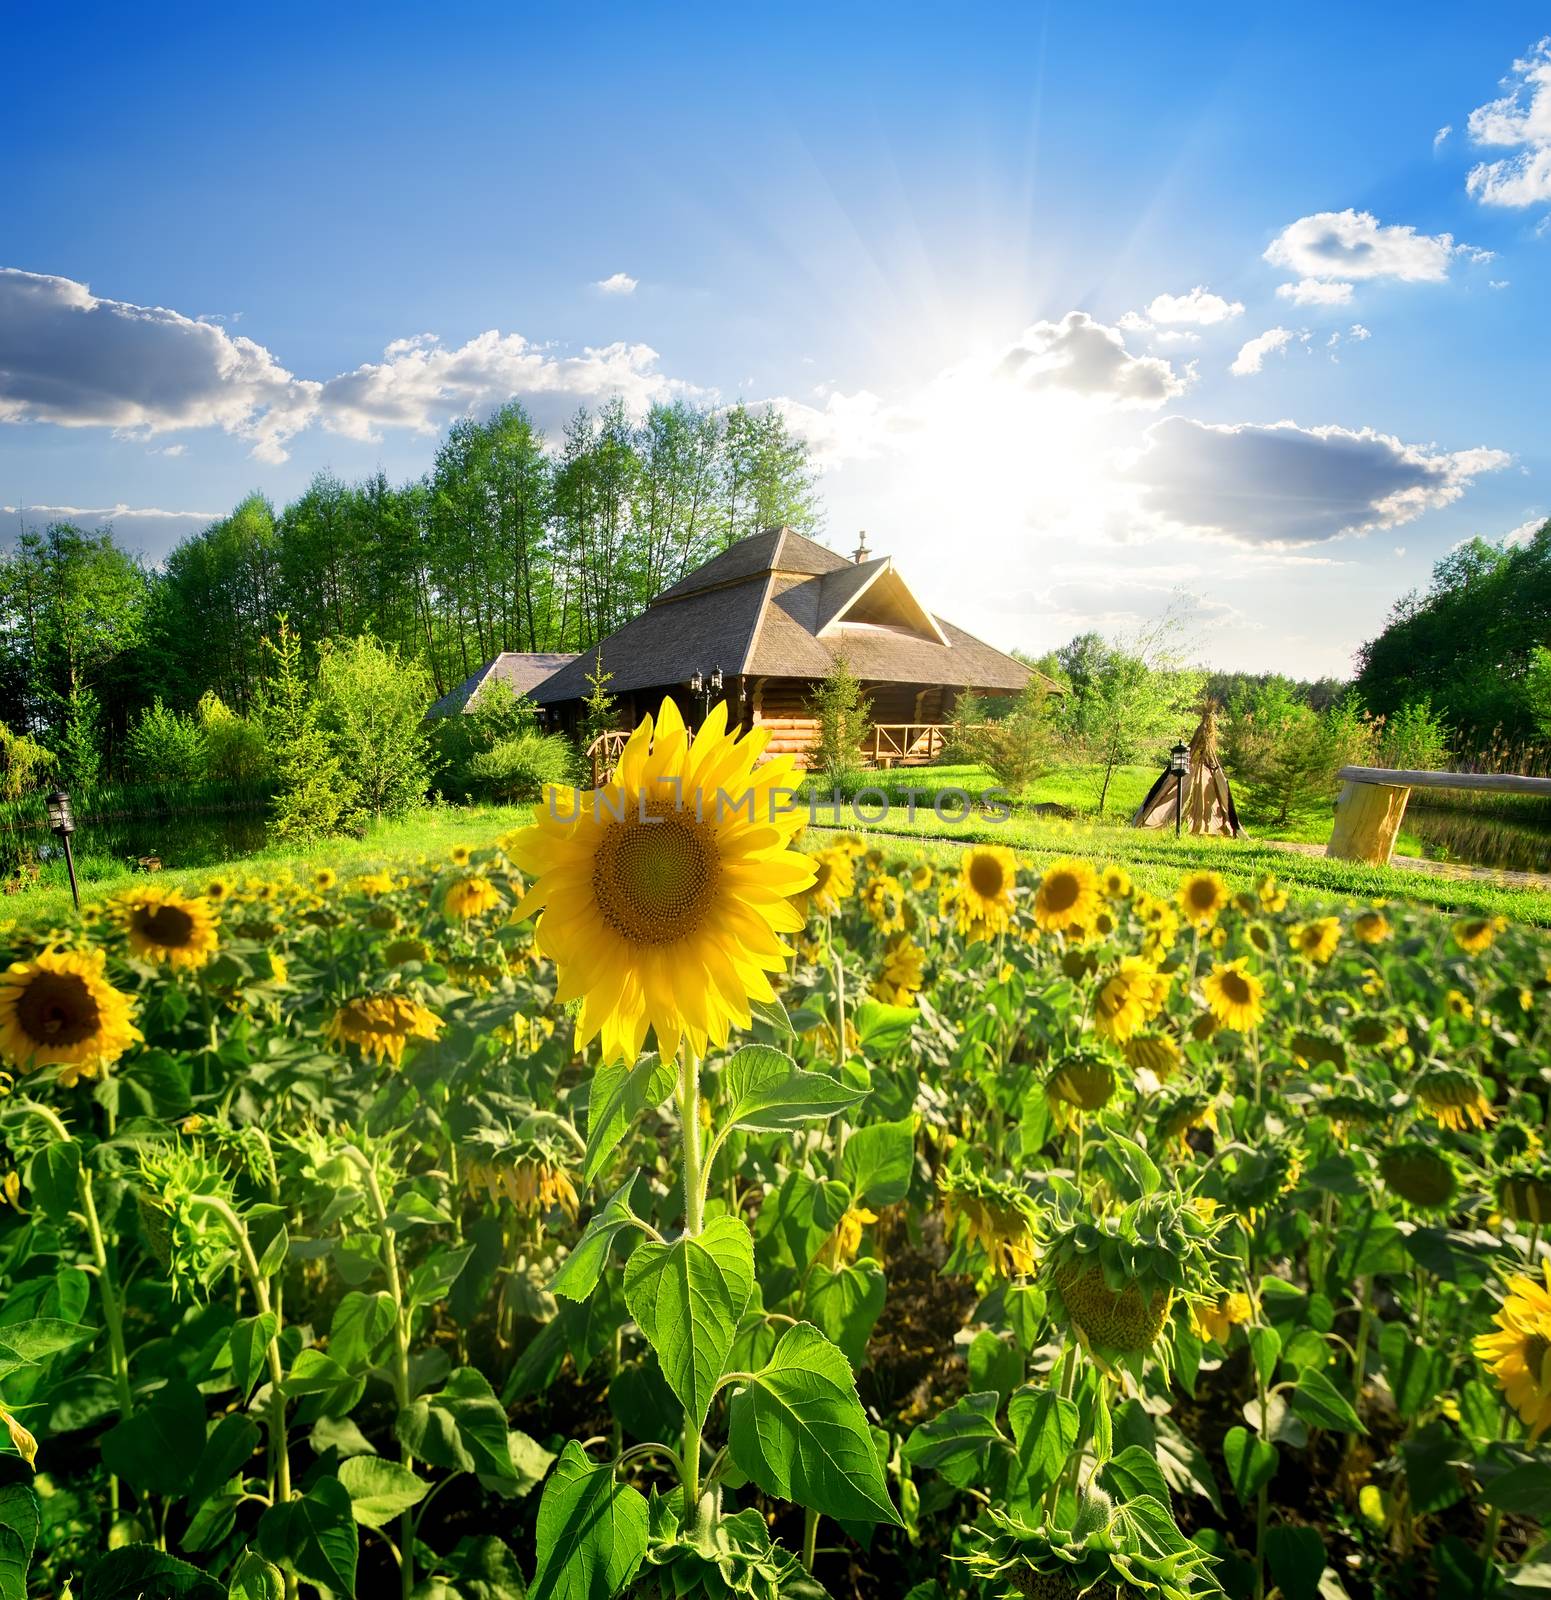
x=167, y=927
x=1518, y=1355
x=59, y=1010
x=663, y=895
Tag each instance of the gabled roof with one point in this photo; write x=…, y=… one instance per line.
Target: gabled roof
x=777, y=604
x=523, y=670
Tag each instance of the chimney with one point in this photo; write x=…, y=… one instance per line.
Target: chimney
x=862, y=552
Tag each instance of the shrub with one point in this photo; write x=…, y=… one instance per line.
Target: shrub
x=520, y=768
x=840, y=706
x=313, y=796
x=1017, y=749
x=235, y=751
x=496, y=713
x=1415, y=738
x=167, y=747
x=371, y=704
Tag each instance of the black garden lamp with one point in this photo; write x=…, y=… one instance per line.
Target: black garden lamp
x=61, y=821
x=705, y=686
x=1179, y=765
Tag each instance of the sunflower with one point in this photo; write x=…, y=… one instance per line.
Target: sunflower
x=1201, y=897
x=1235, y=996
x=1129, y=998
x=1183, y=1113
x=399, y=952
x=1214, y=1319
x=59, y=1010
x=530, y=1184
x=1273, y=898
x=379, y=882
x=1156, y=1053
x=997, y=1215
x=1524, y=1194
x=1457, y=1004
x=664, y=894
x=383, y=1025
x=459, y=855
x=1475, y=934
x=1518, y=1355
x=883, y=899
x=470, y=896
x=839, y=1249
x=324, y=879
x=921, y=877
x=1455, y=1096
x=1317, y=940
x=1084, y=1081
x=834, y=879
x=1067, y=897
x=904, y=963
x=987, y=877
x=216, y=889
x=1115, y=882
x=166, y=927
x=1420, y=1174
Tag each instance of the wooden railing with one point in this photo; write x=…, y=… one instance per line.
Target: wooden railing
x=603, y=754
x=1373, y=800
x=906, y=744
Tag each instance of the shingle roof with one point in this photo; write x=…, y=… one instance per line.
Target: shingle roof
x=524, y=670
x=757, y=610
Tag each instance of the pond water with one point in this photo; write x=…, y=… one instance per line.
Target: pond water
x=1479, y=839
x=196, y=840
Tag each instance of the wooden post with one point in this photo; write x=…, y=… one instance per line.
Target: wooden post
x=1368, y=817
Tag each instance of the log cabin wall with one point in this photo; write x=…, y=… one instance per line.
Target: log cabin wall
x=781, y=704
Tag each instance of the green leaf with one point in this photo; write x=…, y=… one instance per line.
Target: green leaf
x=591, y=1531
x=618, y=1096
x=1133, y=1473
x=380, y=1490
x=27, y=1343
x=1185, y=1465
x=314, y=1537
x=433, y=1278
x=882, y=1028
x=360, y=1327
x=274, y=1254
x=1251, y=1463
x=232, y=1441
x=1297, y=1560
x=1524, y=1490
x=878, y=1161
x=1321, y=1404
x=155, y=1449
x=314, y=1371
x=960, y=1441
x=1432, y=1460
x=249, y=1342
x=254, y=1578
x=1265, y=1348
x=994, y=1363
x=846, y=1303
x=687, y=1298
x=1415, y=1373
x=54, y=1179
x=20, y=1519
x=1044, y=1428
x=138, y=1570
x=462, y=1428
x=768, y=1092
x=579, y=1272
x=798, y=1430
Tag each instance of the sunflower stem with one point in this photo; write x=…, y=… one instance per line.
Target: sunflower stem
x=694, y=1211
x=810, y=1538
x=1489, y=1548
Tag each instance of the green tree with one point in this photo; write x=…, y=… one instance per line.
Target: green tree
x=767, y=476
x=313, y=796
x=839, y=704
x=234, y=746
x=600, y=712
x=166, y=747
x=372, y=704
x=1018, y=748
x=1537, y=689
x=80, y=739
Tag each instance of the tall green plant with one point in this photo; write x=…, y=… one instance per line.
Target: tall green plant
x=313, y=796
x=371, y=703
x=839, y=706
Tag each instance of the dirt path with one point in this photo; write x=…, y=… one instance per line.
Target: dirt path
x=1435, y=869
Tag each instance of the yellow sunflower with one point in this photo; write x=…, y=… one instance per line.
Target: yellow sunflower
x=988, y=875
x=1067, y=897
x=1273, y=897
x=1201, y=897
x=904, y=966
x=1129, y=998
x=165, y=926
x=1518, y=1355
x=834, y=879
x=1455, y=1096
x=1116, y=882
x=470, y=897
x=1371, y=927
x=1457, y=1004
x=1317, y=940
x=839, y=1249
x=664, y=894
x=529, y=1184
x=1214, y=1319
x=383, y=1025
x=883, y=899
x=1234, y=995
x=459, y=855
x=380, y=882
x=1156, y=1053
x=325, y=878
x=59, y=1010
x=1475, y=934
x=216, y=889
x=921, y=877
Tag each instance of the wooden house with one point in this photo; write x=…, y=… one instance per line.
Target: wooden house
x=762, y=624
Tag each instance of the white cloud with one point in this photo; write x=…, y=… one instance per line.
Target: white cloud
x=1354, y=244
x=1200, y=307
x=1442, y=134
x=1253, y=352
x=73, y=359
x=1282, y=485
x=616, y=283
x=1089, y=358
x=1498, y=283
x=1522, y=534
x=1519, y=120
x=145, y=527
x=1176, y=336
x=1134, y=322
x=1315, y=292
x=1358, y=332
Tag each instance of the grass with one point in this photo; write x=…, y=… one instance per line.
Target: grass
x=431, y=831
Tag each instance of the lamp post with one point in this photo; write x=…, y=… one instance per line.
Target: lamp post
x=1179, y=765
x=705, y=685
x=61, y=819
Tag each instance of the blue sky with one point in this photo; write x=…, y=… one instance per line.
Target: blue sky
x=1008, y=270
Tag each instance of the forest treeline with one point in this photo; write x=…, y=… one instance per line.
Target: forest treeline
x=506, y=544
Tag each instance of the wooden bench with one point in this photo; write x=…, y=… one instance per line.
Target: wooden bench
x=1373, y=800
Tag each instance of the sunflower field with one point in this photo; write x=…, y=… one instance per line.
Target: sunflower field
x=668, y=1202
